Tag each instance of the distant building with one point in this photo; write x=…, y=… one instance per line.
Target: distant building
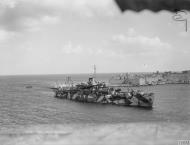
x=186, y=72
x=142, y=81
x=176, y=78
x=116, y=80
x=133, y=81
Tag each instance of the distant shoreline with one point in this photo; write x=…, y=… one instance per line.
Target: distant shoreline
x=126, y=85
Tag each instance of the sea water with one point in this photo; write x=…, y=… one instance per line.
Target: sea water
x=31, y=107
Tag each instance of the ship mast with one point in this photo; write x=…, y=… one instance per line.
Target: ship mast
x=94, y=71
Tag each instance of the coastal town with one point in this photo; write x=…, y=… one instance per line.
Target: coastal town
x=155, y=78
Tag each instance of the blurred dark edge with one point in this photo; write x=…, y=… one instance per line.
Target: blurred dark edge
x=153, y=5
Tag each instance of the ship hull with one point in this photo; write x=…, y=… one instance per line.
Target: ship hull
x=122, y=99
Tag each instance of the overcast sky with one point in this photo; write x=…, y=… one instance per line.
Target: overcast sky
x=70, y=36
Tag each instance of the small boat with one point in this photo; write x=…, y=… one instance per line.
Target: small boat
x=96, y=92
x=29, y=87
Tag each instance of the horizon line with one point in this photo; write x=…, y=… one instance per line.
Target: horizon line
x=84, y=73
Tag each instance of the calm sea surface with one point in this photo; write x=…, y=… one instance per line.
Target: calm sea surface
x=21, y=106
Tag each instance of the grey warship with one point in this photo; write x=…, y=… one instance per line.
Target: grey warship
x=98, y=92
